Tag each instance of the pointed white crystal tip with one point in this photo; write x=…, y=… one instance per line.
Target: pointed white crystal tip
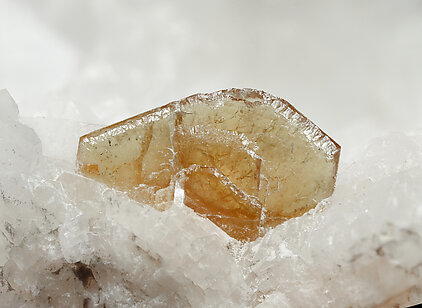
x=8, y=109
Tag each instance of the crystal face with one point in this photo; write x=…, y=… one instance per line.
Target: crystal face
x=246, y=160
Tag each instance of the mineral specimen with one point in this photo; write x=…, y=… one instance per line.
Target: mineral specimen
x=245, y=159
x=70, y=241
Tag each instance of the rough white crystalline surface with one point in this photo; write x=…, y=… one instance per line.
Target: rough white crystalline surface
x=68, y=241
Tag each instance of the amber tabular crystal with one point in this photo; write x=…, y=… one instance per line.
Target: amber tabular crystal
x=246, y=160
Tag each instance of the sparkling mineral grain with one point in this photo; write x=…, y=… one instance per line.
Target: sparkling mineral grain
x=245, y=159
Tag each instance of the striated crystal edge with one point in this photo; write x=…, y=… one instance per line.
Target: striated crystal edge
x=312, y=132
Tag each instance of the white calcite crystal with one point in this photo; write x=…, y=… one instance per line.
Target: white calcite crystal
x=69, y=241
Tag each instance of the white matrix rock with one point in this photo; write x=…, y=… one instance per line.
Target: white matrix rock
x=68, y=241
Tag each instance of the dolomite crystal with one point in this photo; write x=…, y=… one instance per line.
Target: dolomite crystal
x=246, y=160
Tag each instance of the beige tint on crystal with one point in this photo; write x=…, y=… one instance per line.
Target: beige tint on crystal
x=246, y=160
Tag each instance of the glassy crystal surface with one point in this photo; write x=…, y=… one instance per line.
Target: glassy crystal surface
x=246, y=160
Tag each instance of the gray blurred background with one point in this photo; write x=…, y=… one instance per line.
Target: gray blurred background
x=352, y=67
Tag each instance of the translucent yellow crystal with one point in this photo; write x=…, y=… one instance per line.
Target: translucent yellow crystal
x=246, y=160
